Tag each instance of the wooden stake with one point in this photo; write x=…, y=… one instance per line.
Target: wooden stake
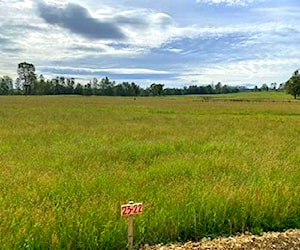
x=130, y=230
x=129, y=210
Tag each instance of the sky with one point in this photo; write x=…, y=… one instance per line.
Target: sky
x=172, y=42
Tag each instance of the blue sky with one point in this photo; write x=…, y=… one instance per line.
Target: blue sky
x=173, y=42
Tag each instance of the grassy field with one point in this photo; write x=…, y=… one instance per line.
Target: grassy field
x=201, y=166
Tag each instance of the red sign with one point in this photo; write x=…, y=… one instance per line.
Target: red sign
x=131, y=209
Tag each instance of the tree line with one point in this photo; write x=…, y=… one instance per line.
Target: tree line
x=29, y=83
x=104, y=87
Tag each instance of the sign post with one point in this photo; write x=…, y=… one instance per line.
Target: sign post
x=129, y=210
x=130, y=231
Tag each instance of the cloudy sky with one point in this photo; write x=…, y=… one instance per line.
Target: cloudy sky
x=173, y=42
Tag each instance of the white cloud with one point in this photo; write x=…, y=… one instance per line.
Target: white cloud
x=108, y=70
x=269, y=40
x=229, y=2
x=143, y=27
x=145, y=30
x=278, y=12
x=255, y=71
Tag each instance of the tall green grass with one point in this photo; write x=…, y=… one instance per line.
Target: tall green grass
x=200, y=168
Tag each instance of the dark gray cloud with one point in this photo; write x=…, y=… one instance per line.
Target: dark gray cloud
x=136, y=22
x=4, y=41
x=85, y=48
x=77, y=19
x=8, y=46
x=12, y=50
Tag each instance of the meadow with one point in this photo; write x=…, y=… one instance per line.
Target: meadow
x=202, y=166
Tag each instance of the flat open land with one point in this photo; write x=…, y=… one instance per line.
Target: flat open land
x=202, y=166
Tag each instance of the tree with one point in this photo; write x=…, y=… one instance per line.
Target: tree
x=126, y=89
x=58, y=88
x=135, y=88
x=274, y=86
x=293, y=84
x=3, y=87
x=78, y=89
x=281, y=86
x=95, y=86
x=88, y=89
x=156, y=89
x=62, y=81
x=265, y=87
x=26, y=74
x=18, y=85
x=38, y=86
x=6, y=85
x=218, y=88
x=106, y=86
